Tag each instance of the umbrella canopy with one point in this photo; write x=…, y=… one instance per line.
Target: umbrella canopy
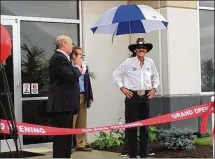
x=129, y=19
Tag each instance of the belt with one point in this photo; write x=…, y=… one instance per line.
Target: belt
x=82, y=92
x=136, y=92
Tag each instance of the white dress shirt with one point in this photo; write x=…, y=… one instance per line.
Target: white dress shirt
x=131, y=76
x=84, y=67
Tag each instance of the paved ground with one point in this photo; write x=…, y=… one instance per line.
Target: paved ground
x=94, y=154
x=76, y=154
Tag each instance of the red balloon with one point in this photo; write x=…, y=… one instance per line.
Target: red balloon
x=6, y=44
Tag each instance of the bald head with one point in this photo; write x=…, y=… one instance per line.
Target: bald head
x=64, y=43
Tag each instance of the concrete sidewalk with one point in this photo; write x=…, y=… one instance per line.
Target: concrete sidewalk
x=75, y=154
x=94, y=154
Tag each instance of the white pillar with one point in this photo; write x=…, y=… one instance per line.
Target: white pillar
x=212, y=100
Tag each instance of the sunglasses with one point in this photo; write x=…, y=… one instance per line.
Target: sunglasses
x=141, y=47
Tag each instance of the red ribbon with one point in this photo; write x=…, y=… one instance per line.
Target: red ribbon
x=38, y=130
x=205, y=117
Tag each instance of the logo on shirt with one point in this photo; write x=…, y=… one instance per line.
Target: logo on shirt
x=147, y=69
x=134, y=69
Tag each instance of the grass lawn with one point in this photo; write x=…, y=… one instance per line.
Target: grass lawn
x=206, y=141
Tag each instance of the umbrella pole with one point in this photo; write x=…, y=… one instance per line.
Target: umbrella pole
x=130, y=33
x=114, y=35
x=129, y=39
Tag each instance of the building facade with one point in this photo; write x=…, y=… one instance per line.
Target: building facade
x=183, y=54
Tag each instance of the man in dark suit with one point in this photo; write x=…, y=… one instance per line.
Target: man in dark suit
x=64, y=95
x=86, y=98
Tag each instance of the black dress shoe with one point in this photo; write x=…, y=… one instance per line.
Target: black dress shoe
x=132, y=156
x=144, y=156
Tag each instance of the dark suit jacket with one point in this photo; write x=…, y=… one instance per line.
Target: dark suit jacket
x=64, y=88
x=88, y=88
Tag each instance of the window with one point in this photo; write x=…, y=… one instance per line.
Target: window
x=40, y=22
x=35, y=112
x=203, y=3
x=4, y=104
x=37, y=46
x=48, y=9
x=206, y=19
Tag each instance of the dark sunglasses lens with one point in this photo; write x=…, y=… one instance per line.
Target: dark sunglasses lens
x=141, y=47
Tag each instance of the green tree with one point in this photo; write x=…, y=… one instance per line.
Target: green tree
x=34, y=65
x=207, y=72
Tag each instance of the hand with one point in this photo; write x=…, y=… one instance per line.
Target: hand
x=126, y=92
x=78, y=61
x=151, y=93
x=81, y=70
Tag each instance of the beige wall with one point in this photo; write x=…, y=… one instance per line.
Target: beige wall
x=103, y=57
x=179, y=4
x=162, y=4
x=179, y=67
x=176, y=54
x=153, y=4
x=180, y=52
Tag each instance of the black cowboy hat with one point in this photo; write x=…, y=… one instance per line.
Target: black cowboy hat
x=140, y=42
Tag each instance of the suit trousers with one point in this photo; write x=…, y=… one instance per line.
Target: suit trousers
x=80, y=121
x=137, y=108
x=62, y=145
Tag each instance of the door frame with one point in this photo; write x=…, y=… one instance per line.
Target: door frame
x=16, y=76
x=15, y=21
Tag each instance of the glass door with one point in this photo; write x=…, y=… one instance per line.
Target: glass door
x=13, y=75
x=37, y=46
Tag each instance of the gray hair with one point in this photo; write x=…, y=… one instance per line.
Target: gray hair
x=60, y=40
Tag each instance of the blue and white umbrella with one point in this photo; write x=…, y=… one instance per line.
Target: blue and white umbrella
x=129, y=19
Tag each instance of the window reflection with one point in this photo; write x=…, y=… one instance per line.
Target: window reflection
x=4, y=105
x=37, y=46
x=35, y=67
x=34, y=112
x=48, y=9
x=207, y=49
x=203, y=3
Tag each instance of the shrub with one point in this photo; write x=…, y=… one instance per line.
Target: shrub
x=107, y=140
x=116, y=137
x=152, y=133
x=205, y=141
x=177, y=138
